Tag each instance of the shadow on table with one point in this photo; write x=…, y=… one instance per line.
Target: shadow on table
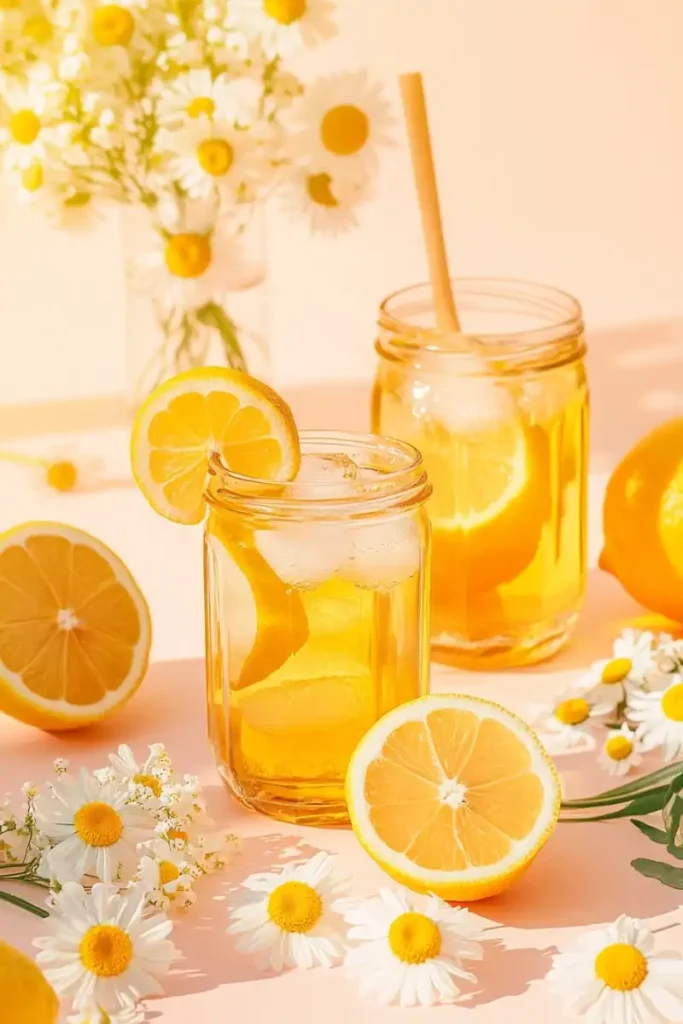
x=635, y=373
x=507, y=972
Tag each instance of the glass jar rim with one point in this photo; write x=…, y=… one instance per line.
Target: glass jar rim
x=402, y=485
x=557, y=339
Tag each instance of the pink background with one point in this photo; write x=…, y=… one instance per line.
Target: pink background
x=560, y=159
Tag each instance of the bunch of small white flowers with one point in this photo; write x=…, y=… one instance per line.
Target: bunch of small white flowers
x=131, y=823
x=191, y=112
x=117, y=849
x=635, y=697
x=399, y=947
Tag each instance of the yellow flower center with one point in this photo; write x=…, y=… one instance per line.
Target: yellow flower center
x=113, y=25
x=188, y=255
x=618, y=748
x=285, y=11
x=106, y=950
x=38, y=28
x=672, y=703
x=319, y=189
x=621, y=966
x=414, y=938
x=616, y=670
x=572, y=711
x=177, y=833
x=168, y=872
x=344, y=130
x=150, y=781
x=24, y=126
x=9, y=5
x=31, y=180
x=98, y=824
x=201, y=105
x=61, y=476
x=215, y=156
x=294, y=907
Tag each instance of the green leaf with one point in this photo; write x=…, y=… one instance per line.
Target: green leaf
x=644, y=803
x=657, y=835
x=623, y=793
x=675, y=851
x=667, y=874
x=213, y=315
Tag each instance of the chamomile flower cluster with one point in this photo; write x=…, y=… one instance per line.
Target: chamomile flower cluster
x=118, y=851
x=396, y=947
x=190, y=105
x=637, y=693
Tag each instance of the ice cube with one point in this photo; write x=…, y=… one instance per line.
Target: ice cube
x=304, y=554
x=383, y=553
x=324, y=476
x=460, y=403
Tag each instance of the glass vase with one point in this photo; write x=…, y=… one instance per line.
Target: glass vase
x=165, y=336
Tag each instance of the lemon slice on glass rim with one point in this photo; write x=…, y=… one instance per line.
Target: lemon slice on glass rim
x=199, y=412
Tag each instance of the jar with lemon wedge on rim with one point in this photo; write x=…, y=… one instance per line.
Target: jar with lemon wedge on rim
x=499, y=410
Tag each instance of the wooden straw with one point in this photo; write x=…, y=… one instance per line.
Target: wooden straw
x=415, y=111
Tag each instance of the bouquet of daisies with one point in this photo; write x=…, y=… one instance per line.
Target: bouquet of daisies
x=117, y=852
x=188, y=110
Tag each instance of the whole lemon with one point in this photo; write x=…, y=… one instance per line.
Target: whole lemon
x=25, y=994
x=643, y=521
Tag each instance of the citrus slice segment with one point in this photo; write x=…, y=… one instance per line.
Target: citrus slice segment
x=453, y=795
x=75, y=630
x=206, y=410
x=268, y=621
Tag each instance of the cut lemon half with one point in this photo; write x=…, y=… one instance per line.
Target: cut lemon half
x=452, y=795
x=75, y=630
x=206, y=410
x=268, y=622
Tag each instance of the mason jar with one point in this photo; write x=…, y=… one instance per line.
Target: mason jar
x=316, y=617
x=499, y=411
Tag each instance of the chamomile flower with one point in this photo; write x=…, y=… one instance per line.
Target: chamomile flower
x=146, y=778
x=31, y=107
x=283, y=26
x=330, y=206
x=286, y=918
x=608, y=680
x=569, y=723
x=101, y=952
x=167, y=875
x=198, y=94
x=94, y=830
x=205, y=155
x=660, y=718
x=340, y=123
x=193, y=257
x=411, y=948
x=613, y=976
x=620, y=751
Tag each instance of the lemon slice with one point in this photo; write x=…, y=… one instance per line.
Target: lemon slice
x=452, y=795
x=268, y=622
x=75, y=630
x=206, y=410
x=26, y=993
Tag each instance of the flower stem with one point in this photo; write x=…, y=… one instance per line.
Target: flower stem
x=17, y=901
x=19, y=457
x=622, y=794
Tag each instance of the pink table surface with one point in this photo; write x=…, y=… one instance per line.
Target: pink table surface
x=581, y=879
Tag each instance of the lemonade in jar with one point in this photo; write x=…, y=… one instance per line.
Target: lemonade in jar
x=499, y=411
x=316, y=612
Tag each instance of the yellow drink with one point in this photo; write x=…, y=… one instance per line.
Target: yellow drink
x=316, y=627
x=503, y=429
